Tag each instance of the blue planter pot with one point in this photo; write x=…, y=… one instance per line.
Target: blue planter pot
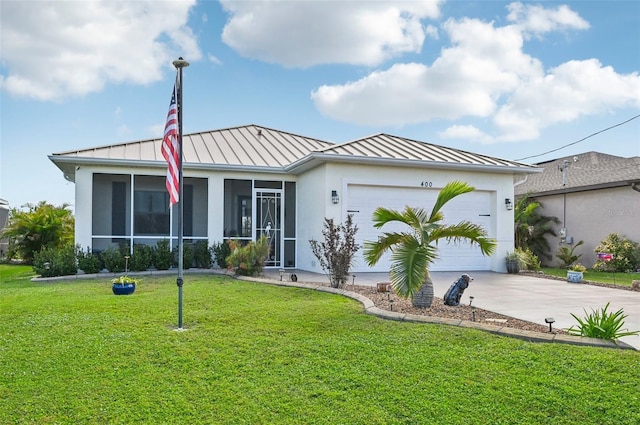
x=123, y=288
x=574, y=277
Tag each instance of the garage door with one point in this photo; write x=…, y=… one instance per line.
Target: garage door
x=474, y=207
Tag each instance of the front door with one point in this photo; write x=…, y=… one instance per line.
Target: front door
x=268, y=221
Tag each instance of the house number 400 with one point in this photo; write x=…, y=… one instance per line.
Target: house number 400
x=426, y=184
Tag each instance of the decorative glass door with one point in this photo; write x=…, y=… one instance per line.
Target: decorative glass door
x=269, y=223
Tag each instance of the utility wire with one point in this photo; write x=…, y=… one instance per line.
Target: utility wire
x=581, y=140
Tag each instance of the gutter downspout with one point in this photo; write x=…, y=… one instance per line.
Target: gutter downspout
x=635, y=186
x=521, y=181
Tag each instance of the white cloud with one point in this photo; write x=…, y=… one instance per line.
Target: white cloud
x=213, y=59
x=307, y=33
x=536, y=19
x=432, y=31
x=466, y=132
x=51, y=50
x=571, y=90
x=466, y=80
x=485, y=73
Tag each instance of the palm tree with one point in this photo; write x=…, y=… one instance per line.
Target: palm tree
x=43, y=225
x=531, y=227
x=413, y=251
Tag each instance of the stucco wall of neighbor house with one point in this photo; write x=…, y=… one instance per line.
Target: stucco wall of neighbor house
x=591, y=216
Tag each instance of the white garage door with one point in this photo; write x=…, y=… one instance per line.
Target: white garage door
x=474, y=207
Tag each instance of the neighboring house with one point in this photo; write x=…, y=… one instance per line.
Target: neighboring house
x=243, y=182
x=592, y=194
x=4, y=220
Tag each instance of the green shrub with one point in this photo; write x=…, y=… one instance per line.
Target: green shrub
x=567, y=256
x=88, y=262
x=187, y=255
x=601, y=324
x=515, y=256
x=55, y=261
x=202, y=255
x=577, y=267
x=626, y=254
x=221, y=251
x=141, y=259
x=530, y=260
x=248, y=260
x=113, y=260
x=162, y=255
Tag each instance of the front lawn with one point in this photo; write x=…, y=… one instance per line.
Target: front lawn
x=621, y=279
x=259, y=354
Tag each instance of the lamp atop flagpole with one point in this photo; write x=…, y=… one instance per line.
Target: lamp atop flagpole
x=180, y=63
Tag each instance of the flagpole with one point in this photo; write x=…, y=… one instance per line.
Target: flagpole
x=179, y=64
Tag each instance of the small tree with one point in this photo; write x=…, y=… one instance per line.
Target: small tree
x=413, y=250
x=336, y=253
x=530, y=227
x=39, y=226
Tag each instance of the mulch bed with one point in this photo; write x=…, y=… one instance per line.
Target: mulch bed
x=391, y=302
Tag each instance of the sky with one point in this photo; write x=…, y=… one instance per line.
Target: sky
x=522, y=80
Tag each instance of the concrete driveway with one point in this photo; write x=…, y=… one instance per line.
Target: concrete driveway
x=521, y=296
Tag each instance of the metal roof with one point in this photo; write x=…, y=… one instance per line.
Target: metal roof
x=590, y=170
x=249, y=145
x=393, y=147
x=258, y=148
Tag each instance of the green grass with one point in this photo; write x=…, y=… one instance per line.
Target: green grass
x=71, y=353
x=621, y=279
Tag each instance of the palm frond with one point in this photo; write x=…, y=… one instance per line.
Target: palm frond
x=374, y=250
x=409, y=264
x=447, y=193
x=466, y=230
x=382, y=216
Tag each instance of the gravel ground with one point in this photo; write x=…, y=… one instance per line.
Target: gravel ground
x=390, y=301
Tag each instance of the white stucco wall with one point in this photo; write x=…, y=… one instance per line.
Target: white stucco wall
x=314, y=204
x=315, y=187
x=314, y=199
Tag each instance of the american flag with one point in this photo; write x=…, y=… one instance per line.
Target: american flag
x=171, y=150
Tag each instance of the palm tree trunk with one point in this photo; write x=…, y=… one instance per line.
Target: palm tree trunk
x=424, y=297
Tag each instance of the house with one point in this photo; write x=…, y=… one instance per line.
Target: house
x=592, y=194
x=243, y=182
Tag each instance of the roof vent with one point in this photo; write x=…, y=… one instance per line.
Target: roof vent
x=259, y=132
